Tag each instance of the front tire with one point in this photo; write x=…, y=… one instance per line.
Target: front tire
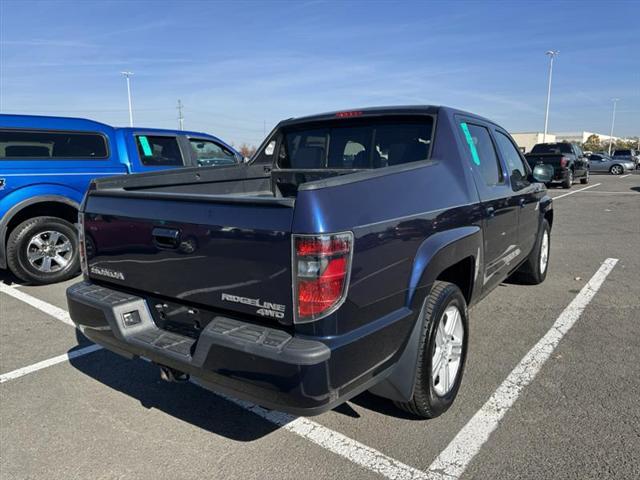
x=43, y=250
x=442, y=353
x=616, y=170
x=534, y=270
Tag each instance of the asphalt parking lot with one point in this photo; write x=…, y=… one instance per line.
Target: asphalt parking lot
x=567, y=408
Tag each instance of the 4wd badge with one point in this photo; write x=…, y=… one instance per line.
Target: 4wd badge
x=2, y=183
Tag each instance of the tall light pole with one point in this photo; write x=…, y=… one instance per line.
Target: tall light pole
x=613, y=120
x=180, y=116
x=127, y=75
x=552, y=54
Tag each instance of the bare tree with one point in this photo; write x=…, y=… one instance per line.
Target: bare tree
x=247, y=150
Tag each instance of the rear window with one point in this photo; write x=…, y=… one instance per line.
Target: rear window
x=38, y=145
x=356, y=145
x=552, y=148
x=159, y=150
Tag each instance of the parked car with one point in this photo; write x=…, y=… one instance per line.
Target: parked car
x=629, y=155
x=46, y=164
x=567, y=159
x=312, y=274
x=599, y=162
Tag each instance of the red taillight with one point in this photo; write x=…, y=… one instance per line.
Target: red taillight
x=563, y=162
x=322, y=265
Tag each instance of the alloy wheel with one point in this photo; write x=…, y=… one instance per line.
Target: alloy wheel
x=447, y=355
x=544, y=252
x=49, y=251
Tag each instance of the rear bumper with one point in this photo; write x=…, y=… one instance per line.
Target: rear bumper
x=263, y=365
x=560, y=174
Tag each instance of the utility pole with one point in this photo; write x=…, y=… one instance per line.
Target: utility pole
x=127, y=75
x=552, y=54
x=613, y=120
x=180, y=116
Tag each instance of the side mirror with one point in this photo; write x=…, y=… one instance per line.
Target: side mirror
x=543, y=173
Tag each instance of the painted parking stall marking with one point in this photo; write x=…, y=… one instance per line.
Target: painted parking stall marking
x=576, y=191
x=454, y=459
x=20, y=372
x=51, y=310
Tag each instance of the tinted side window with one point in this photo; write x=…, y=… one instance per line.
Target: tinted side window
x=210, y=153
x=38, y=145
x=159, y=151
x=518, y=173
x=483, y=153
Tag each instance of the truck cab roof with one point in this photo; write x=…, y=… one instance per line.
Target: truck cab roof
x=380, y=112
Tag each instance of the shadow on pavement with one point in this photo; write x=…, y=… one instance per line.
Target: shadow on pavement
x=184, y=401
x=381, y=405
x=9, y=278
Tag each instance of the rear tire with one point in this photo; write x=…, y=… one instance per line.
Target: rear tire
x=584, y=180
x=43, y=250
x=534, y=270
x=445, y=328
x=568, y=181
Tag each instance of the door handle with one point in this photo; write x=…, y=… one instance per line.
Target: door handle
x=491, y=212
x=522, y=203
x=166, y=237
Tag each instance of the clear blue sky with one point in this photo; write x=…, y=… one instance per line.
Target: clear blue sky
x=240, y=65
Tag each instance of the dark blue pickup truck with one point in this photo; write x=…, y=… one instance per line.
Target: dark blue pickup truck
x=46, y=164
x=342, y=258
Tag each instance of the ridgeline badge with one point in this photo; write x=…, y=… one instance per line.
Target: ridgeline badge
x=265, y=309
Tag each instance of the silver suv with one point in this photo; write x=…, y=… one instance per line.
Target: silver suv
x=627, y=154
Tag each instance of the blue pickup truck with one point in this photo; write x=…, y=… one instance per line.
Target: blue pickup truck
x=342, y=258
x=46, y=164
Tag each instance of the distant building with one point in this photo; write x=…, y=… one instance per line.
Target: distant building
x=526, y=140
x=581, y=137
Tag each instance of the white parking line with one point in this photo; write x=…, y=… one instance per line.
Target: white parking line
x=52, y=310
x=335, y=442
x=454, y=459
x=576, y=191
x=20, y=372
x=624, y=176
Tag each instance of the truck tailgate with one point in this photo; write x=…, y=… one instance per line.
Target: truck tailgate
x=227, y=255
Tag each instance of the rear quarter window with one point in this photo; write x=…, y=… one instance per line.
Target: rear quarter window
x=54, y=145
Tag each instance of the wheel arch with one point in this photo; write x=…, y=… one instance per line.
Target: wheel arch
x=42, y=205
x=453, y=256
